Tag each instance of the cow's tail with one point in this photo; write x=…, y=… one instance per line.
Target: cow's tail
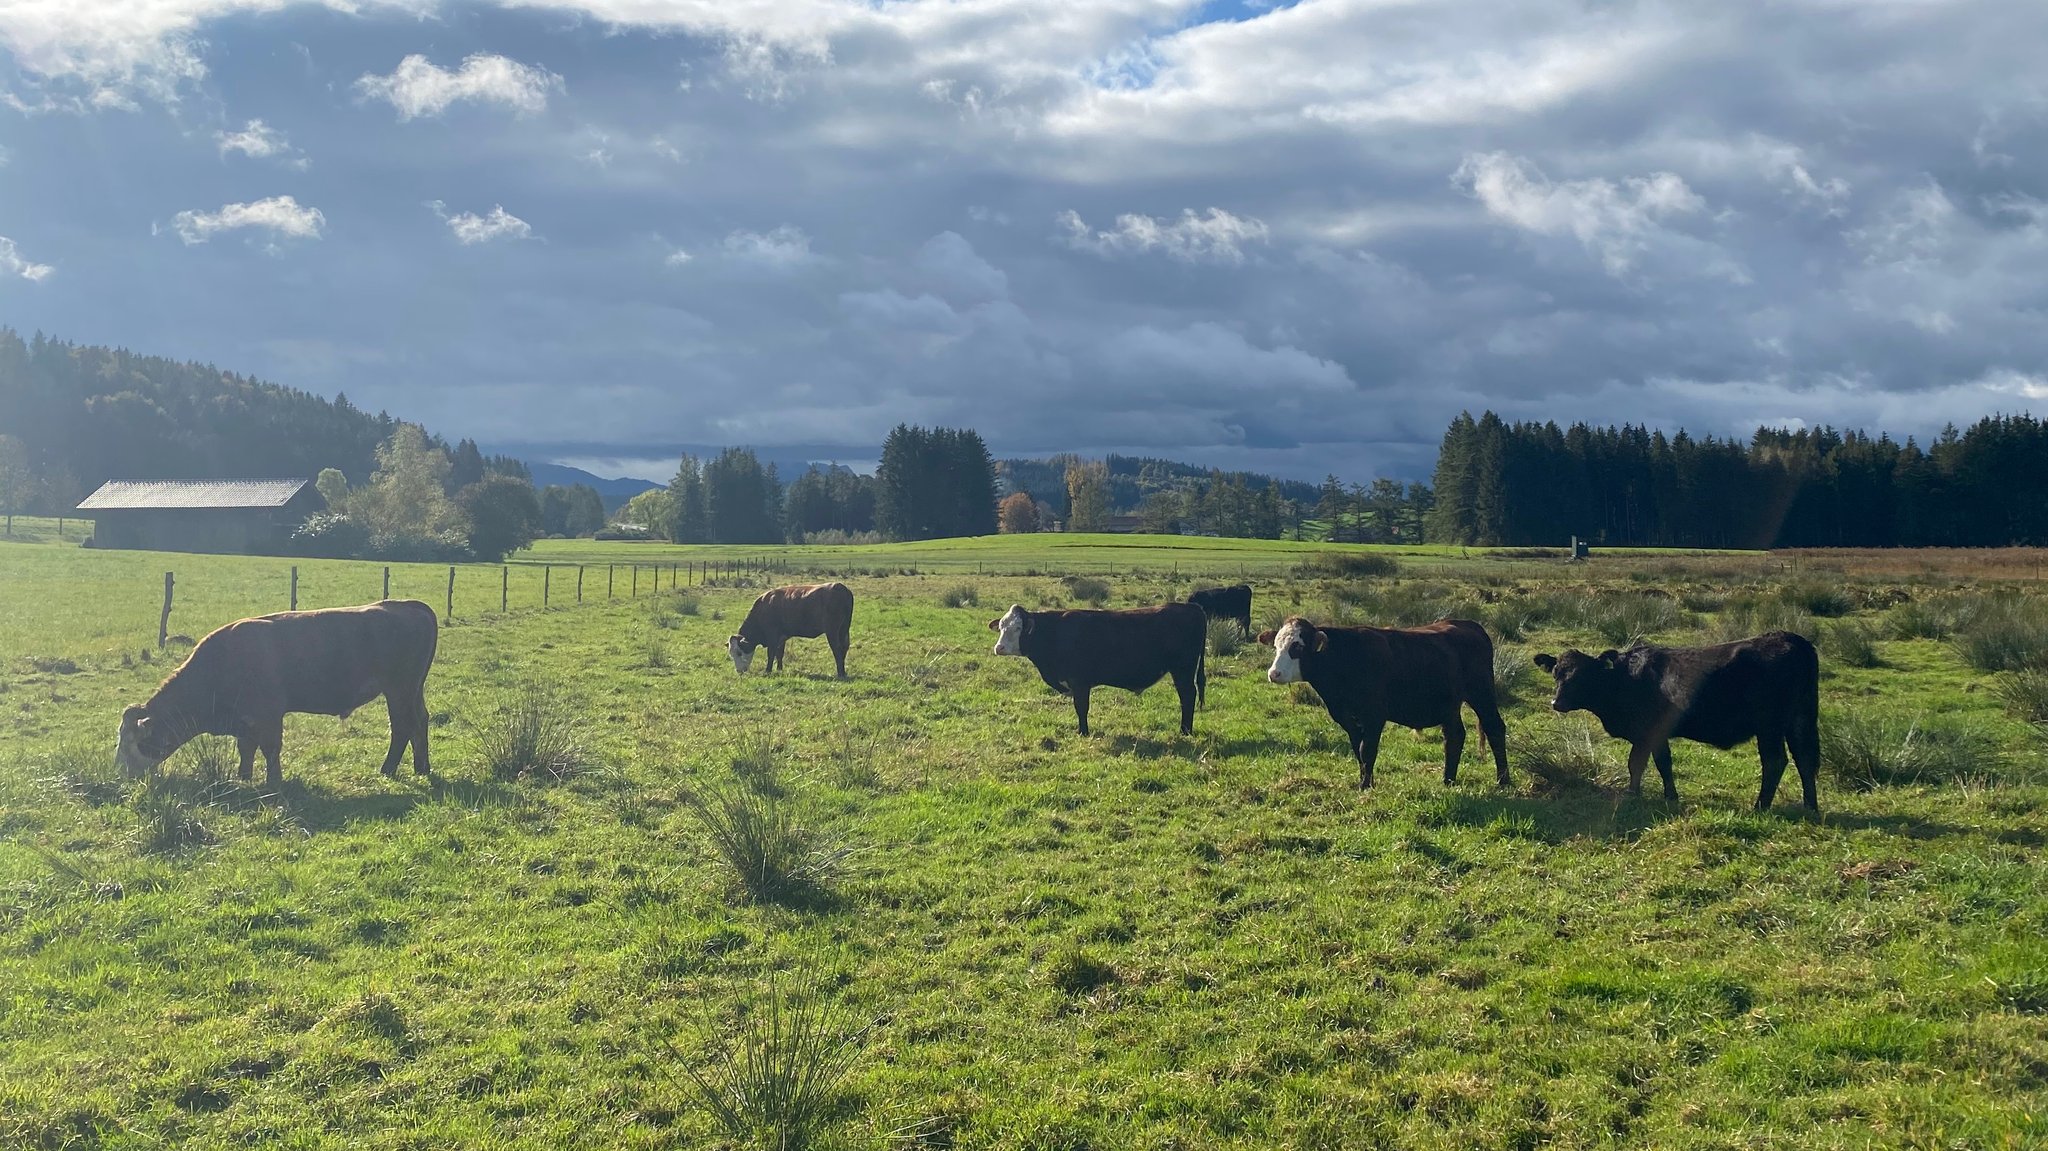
x=1202, y=670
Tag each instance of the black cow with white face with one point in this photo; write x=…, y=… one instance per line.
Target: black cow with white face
x=1766, y=688
x=1077, y=651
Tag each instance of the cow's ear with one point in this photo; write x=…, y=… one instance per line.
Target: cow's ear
x=1322, y=640
x=995, y=625
x=1546, y=661
x=133, y=715
x=1266, y=638
x=1610, y=657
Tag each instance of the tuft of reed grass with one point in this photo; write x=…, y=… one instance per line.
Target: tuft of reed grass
x=655, y=656
x=169, y=820
x=1851, y=643
x=1348, y=565
x=1225, y=637
x=1825, y=600
x=960, y=595
x=539, y=733
x=774, y=859
x=1563, y=758
x=1869, y=749
x=772, y=1085
x=2005, y=634
x=1511, y=667
x=2025, y=695
x=1622, y=619
x=1087, y=589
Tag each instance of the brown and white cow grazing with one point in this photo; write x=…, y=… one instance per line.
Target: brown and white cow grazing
x=1765, y=688
x=1076, y=651
x=244, y=677
x=802, y=611
x=1415, y=676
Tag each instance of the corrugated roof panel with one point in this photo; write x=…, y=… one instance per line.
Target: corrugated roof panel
x=184, y=494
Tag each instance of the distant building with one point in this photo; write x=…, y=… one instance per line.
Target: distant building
x=252, y=516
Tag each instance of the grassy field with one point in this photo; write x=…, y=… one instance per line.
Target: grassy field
x=1134, y=940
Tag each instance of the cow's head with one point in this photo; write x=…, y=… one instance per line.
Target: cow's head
x=1010, y=630
x=741, y=649
x=1583, y=681
x=1295, y=639
x=145, y=742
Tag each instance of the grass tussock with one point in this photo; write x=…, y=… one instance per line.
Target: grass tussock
x=1851, y=643
x=1225, y=638
x=169, y=819
x=772, y=1084
x=1748, y=616
x=750, y=825
x=1563, y=759
x=1511, y=668
x=1348, y=566
x=960, y=595
x=2005, y=634
x=1870, y=749
x=1622, y=619
x=1824, y=600
x=539, y=733
x=1087, y=589
x=2025, y=695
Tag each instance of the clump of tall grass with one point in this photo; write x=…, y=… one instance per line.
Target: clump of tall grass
x=2025, y=695
x=750, y=825
x=85, y=769
x=1073, y=971
x=1818, y=599
x=1225, y=637
x=1087, y=589
x=655, y=656
x=540, y=732
x=1868, y=749
x=1936, y=617
x=1620, y=619
x=2005, y=634
x=1746, y=616
x=1348, y=565
x=960, y=595
x=1511, y=667
x=772, y=1085
x=1851, y=643
x=168, y=819
x=1566, y=758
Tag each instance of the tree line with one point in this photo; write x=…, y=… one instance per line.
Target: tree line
x=1531, y=483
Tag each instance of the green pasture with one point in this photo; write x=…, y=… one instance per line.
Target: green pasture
x=1132, y=940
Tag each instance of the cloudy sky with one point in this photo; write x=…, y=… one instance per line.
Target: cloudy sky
x=1297, y=237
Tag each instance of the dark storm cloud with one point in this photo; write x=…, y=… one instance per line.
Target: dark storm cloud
x=1299, y=239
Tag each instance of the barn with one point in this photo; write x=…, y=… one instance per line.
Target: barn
x=253, y=516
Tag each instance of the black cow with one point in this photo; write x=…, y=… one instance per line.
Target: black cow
x=1075, y=651
x=1765, y=688
x=1234, y=602
x=1415, y=676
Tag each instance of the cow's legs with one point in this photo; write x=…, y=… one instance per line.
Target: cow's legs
x=246, y=746
x=1454, y=746
x=1366, y=745
x=1638, y=759
x=420, y=723
x=1081, y=705
x=1662, y=754
x=775, y=647
x=1493, y=733
x=839, y=642
x=1184, y=686
x=1770, y=749
x=1805, y=740
x=270, y=740
x=402, y=727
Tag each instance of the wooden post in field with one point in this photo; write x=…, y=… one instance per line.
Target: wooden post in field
x=504, y=587
x=547, y=577
x=163, y=622
x=579, y=583
x=387, y=581
x=636, y=579
x=295, y=587
x=451, y=594
x=610, y=574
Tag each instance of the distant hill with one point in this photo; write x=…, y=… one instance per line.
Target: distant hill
x=1129, y=477
x=614, y=492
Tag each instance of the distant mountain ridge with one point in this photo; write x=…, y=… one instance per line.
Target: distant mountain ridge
x=614, y=492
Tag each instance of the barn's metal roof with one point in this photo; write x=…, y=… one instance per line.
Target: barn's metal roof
x=181, y=494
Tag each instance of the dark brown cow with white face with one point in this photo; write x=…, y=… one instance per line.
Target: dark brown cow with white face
x=1765, y=688
x=1077, y=651
x=1417, y=677
x=799, y=611
x=242, y=680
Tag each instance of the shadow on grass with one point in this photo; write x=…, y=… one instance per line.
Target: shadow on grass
x=1578, y=813
x=1910, y=827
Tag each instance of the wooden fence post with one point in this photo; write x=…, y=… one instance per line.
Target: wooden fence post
x=387, y=581
x=636, y=580
x=504, y=587
x=579, y=583
x=610, y=573
x=547, y=578
x=163, y=622
x=295, y=587
x=451, y=594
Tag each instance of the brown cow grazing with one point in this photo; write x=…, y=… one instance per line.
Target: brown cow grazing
x=1415, y=676
x=1076, y=651
x=1765, y=688
x=245, y=677
x=803, y=611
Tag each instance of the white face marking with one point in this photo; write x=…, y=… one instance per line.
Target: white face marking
x=1010, y=632
x=129, y=756
x=1286, y=668
x=742, y=655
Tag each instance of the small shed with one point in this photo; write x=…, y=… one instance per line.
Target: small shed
x=250, y=516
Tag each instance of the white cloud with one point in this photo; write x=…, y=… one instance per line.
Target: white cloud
x=260, y=141
x=13, y=263
x=1612, y=220
x=418, y=87
x=470, y=228
x=281, y=215
x=785, y=246
x=677, y=258
x=1217, y=237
